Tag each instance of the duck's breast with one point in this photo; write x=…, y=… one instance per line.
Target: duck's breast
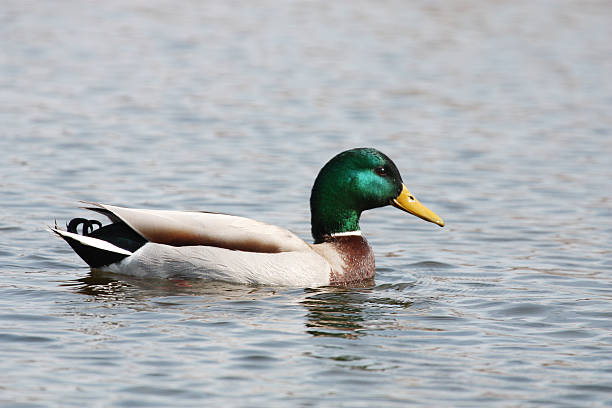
x=351, y=258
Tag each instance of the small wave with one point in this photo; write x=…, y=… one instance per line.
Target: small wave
x=430, y=265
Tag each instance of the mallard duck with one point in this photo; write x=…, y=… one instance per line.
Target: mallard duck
x=181, y=244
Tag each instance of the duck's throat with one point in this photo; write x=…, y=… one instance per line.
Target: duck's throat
x=333, y=221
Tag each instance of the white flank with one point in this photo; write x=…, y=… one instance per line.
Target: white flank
x=300, y=268
x=93, y=242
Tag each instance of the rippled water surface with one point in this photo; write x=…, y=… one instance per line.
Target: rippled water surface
x=497, y=114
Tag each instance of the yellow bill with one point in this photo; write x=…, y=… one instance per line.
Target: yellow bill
x=406, y=201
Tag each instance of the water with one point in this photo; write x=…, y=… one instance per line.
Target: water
x=497, y=114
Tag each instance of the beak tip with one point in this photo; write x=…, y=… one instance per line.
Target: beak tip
x=406, y=202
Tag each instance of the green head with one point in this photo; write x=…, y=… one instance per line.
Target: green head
x=354, y=181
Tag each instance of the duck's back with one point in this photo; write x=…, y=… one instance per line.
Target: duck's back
x=188, y=228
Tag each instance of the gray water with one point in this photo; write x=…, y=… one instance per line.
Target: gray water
x=498, y=115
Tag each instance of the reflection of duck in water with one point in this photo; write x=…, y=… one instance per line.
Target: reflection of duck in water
x=334, y=313
x=99, y=286
x=350, y=313
x=106, y=287
x=155, y=243
x=126, y=290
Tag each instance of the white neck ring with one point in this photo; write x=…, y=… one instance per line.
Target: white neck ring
x=347, y=234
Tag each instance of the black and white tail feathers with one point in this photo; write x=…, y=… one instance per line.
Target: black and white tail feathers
x=102, y=246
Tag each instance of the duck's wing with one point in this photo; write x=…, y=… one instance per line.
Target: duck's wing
x=186, y=228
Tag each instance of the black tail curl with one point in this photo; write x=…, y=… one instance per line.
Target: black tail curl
x=88, y=226
x=117, y=233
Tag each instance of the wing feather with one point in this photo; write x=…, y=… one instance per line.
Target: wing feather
x=185, y=228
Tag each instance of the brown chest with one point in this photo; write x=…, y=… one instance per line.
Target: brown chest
x=357, y=260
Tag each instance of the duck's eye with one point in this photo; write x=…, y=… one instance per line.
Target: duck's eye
x=381, y=171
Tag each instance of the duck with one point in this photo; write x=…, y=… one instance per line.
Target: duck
x=150, y=243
